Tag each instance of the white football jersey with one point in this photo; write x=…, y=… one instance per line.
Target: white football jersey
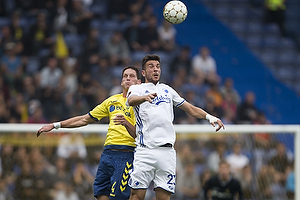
x=154, y=121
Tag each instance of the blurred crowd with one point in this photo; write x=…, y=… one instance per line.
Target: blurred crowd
x=60, y=58
x=66, y=171
x=263, y=172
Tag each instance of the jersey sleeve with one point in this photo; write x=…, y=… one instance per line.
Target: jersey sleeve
x=100, y=111
x=133, y=90
x=177, y=99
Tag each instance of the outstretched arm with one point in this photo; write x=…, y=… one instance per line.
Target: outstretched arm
x=135, y=100
x=73, y=122
x=121, y=120
x=201, y=114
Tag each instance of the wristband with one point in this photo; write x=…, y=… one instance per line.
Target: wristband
x=211, y=118
x=57, y=125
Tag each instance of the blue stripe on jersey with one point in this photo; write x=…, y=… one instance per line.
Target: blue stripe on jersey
x=93, y=117
x=139, y=124
x=180, y=103
x=138, y=119
x=119, y=147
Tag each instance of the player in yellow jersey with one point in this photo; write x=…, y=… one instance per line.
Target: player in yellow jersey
x=117, y=157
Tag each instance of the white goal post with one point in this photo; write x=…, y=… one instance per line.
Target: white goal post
x=184, y=129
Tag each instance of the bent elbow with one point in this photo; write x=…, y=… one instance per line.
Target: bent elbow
x=129, y=102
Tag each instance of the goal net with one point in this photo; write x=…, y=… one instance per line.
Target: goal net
x=67, y=159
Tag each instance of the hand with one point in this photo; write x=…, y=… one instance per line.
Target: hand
x=45, y=128
x=220, y=123
x=212, y=120
x=150, y=97
x=120, y=120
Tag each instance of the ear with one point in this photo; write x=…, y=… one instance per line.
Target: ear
x=139, y=82
x=143, y=73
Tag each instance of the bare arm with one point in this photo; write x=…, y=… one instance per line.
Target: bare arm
x=193, y=110
x=73, y=122
x=201, y=114
x=135, y=100
x=120, y=120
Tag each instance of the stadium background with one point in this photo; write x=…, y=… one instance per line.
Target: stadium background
x=252, y=54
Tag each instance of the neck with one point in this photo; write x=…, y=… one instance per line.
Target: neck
x=154, y=82
x=224, y=178
x=124, y=93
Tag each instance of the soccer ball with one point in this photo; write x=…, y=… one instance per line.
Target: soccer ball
x=175, y=12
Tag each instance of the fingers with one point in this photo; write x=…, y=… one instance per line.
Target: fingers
x=38, y=133
x=45, y=128
x=220, y=125
x=154, y=95
x=218, y=128
x=119, y=119
x=151, y=97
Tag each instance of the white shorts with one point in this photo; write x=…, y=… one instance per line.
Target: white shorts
x=157, y=165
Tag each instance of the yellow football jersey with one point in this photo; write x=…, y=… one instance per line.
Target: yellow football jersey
x=112, y=106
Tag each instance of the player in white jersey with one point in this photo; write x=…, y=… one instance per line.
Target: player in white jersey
x=155, y=157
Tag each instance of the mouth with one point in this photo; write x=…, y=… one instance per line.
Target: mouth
x=127, y=83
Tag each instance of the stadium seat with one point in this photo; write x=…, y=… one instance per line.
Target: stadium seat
x=255, y=28
x=137, y=56
x=74, y=42
x=239, y=11
x=297, y=87
x=96, y=23
x=269, y=56
x=272, y=28
x=99, y=10
x=285, y=73
x=255, y=14
x=287, y=43
x=287, y=57
x=238, y=25
x=33, y=65
x=111, y=25
x=253, y=41
x=4, y=21
x=222, y=11
x=270, y=41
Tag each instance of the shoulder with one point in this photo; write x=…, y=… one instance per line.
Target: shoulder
x=165, y=86
x=135, y=88
x=212, y=181
x=235, y=181
x=139, y=87
x=196, y=57
x=113, y=98
x=211, y=59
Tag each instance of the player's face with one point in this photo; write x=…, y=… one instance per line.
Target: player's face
x=129, y=78
x=152, y=71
